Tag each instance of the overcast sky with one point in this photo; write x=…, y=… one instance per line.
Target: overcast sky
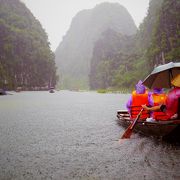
x=55, y=15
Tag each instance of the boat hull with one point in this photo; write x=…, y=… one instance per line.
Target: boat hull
x=2, y=92
x=155, y=128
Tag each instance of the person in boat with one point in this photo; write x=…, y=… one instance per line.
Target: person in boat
x=159, y=97
x=139, y=97
x=172, y=105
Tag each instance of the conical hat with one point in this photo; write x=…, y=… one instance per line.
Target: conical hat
x=176, y=81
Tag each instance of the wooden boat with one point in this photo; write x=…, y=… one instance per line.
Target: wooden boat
x=3, y=92
x=51, y=90
x=18, y=89
x=155, y=128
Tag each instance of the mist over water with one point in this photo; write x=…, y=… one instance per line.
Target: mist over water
x=74, y=135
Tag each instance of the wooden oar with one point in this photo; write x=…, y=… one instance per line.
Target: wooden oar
x=128, y=132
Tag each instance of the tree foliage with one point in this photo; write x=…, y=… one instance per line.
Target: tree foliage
x=25, y=56
x=120, y=61
x=165, y=43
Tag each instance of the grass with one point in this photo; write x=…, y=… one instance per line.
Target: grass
x=122, y=91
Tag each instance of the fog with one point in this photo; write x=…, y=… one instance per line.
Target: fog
x=56, y=15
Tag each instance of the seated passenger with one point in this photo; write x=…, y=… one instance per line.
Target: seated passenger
x=171, y=106
x=139, y=97
x=159, y=97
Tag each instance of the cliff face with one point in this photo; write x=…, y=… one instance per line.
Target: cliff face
x=120, y=61
x=25, y=56
x=165, y=43
x=74, y=53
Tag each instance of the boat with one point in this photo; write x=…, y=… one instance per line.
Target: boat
x=51, y=90
x=18, y=89
x=155, y=128
x=3, y=92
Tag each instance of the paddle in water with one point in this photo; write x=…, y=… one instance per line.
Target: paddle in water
x=128, y=132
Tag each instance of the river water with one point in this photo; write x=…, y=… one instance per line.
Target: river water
x=74, y=135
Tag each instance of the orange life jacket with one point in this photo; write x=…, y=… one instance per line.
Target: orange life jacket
x=158, y=100
x=137, y=101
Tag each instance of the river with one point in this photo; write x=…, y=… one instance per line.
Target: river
x=74, y=135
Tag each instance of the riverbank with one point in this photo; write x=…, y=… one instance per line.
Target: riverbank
x=121, y=91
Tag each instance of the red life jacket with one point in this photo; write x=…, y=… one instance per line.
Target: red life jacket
x=158, y=100
x=172, y=102
x=137, y=101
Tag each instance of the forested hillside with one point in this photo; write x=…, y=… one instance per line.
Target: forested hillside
x=25, y=56
x=102, y=48
x=120, y=61
x=73, y=56
x=111, y=60
x=165, y=42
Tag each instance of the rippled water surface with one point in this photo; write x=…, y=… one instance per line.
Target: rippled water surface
x=74, y=135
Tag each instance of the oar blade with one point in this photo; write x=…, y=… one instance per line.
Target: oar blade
x=127, y=133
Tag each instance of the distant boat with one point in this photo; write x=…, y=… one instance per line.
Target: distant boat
x=51, y=90
x=3, y=92
x=18, y=89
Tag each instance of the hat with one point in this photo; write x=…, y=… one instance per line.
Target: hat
x=140, y=88
x=176, y=81
x=158, y=90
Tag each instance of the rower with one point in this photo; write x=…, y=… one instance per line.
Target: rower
x=159, y=97
x=139, y=97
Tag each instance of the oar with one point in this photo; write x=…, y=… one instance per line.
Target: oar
x=128, y=132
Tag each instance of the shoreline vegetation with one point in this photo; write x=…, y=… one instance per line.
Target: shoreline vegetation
x=121, y=91
x=100, y=91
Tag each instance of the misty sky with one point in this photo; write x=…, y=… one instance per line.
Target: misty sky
x=55, y=15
